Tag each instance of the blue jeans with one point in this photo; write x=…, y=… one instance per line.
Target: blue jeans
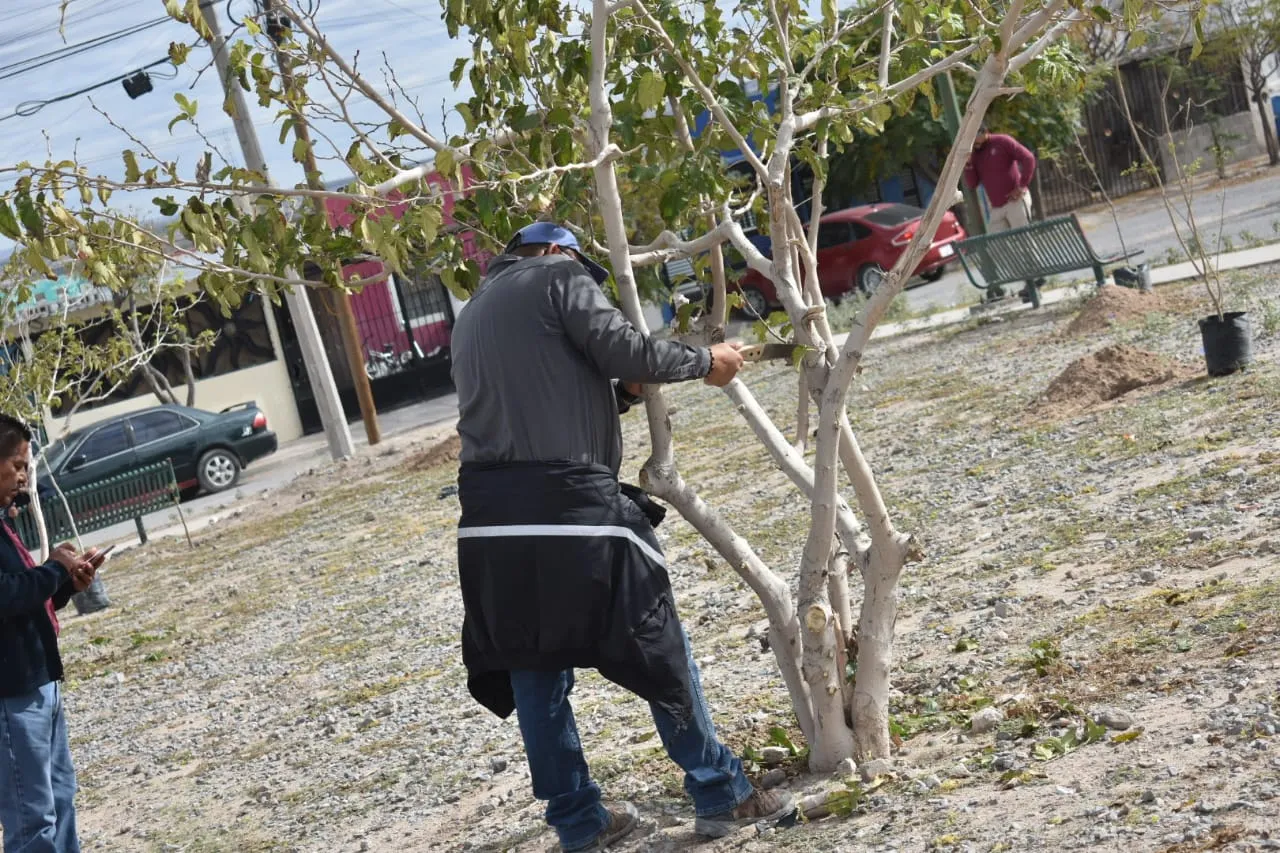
x=37, y=781
x=713, y=776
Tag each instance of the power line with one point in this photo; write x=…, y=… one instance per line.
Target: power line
x=27, y=35
x=42, y=60
x=30, y=108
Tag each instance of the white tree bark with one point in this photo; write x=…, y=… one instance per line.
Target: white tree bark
x=659, y=474
x=870, y=709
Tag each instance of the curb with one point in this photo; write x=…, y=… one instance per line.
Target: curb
x=1242, y=259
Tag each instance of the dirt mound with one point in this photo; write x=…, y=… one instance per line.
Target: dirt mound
x=1109, y=373
x=444, y=451
x=1112, y=304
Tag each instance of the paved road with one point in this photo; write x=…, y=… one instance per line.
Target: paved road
x=284, y=466
x=1251, y=211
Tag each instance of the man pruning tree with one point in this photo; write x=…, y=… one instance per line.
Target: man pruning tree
x=558, y=562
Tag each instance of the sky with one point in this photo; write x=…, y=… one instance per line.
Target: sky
x=410, y=32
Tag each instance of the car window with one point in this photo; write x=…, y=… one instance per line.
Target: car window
x=860, y=231
x=832, y=234
x=57, y=450
x=894, y=215
x=153, y=426
x=109, y=440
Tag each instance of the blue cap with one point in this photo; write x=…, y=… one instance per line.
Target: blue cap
x=556, y=235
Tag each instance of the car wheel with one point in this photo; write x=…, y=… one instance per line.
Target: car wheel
x=870, y=277
x=219, y=470
x=934, y=275
x=757, y=305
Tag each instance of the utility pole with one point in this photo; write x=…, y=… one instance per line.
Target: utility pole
x=340, y=299
x=975, y=222
x=304, y=321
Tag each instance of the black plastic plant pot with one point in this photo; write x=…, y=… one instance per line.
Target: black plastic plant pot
x=1228, y=342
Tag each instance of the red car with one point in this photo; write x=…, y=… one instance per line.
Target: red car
x=855, y=248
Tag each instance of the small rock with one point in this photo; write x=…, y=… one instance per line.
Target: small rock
x=1198, y=534
x=1148, y=797
x=846, y=769
x=869, y=770
x=986, y=720
x=772, y=755
x=773, y=778
x=1003, y=609
x=497, y=765
x=1114, y=718
x=1148, y=576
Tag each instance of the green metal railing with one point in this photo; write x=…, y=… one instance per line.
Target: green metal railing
x=94, y=506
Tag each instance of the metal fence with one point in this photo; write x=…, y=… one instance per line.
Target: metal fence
x=1106, y=162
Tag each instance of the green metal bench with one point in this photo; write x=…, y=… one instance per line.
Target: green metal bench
x=1032, y=252
x=96, y=506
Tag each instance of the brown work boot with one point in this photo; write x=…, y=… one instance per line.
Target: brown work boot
x=760, y=806
x=623, y=818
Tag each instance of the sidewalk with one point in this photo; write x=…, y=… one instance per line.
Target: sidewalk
x=1083, y=286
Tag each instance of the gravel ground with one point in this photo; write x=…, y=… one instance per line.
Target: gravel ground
x=1086, y=660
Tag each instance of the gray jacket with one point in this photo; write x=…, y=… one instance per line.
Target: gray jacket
x=534, y=353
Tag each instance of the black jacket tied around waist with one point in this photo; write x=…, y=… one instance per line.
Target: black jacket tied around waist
x=561, y=569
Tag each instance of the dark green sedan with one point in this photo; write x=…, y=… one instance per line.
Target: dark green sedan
x=207, y=450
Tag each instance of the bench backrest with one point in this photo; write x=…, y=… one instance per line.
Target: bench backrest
x=1042, y=248
x=95, y=506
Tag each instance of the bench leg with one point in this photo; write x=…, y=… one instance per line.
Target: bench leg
x=142, y=531
x=1100, y=274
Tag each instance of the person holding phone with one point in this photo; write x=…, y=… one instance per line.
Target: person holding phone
x=37, y=779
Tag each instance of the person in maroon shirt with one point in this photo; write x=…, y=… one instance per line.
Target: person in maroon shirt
x=1003, y=167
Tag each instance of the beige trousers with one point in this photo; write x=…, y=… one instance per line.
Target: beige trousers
x=1015, y=214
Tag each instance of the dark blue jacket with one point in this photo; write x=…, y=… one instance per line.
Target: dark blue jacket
x=28, y=644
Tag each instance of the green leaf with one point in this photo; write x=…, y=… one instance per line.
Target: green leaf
x=1093, y=732
x=30, y=217
x=445, y=163
x=778, y=737
x=131, y=171
x=828, y=13
x=651, y=89
x=1127, y=737
x=168, y=207
x=8, y=222
x=178, y=52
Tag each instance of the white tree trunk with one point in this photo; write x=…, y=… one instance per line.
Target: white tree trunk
x=37, y=511
x=802, y=413
x=659, y=475
x=870, y=709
